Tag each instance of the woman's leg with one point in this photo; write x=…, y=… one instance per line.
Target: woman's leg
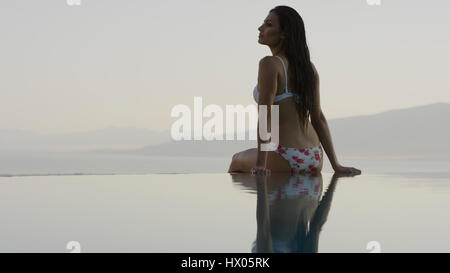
x=244, y=161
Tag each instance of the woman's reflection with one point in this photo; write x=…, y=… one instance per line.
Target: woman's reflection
x=289, y=211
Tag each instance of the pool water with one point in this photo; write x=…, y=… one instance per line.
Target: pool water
x=221, y=212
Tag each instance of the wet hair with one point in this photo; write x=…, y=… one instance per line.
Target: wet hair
x=301, y=72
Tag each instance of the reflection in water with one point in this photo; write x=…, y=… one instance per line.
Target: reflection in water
x=289, y=211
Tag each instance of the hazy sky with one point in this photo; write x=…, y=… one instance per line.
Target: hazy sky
x=127, y=63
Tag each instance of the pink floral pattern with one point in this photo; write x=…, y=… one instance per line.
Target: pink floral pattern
x=302, y=160
x=306, y=185
x=281, y=150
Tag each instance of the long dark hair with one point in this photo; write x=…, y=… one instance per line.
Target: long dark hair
x=296, y=50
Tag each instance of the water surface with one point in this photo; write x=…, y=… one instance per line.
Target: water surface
x=225, y=213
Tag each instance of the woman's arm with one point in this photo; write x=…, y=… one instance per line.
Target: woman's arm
x=267, y=85
x=320, y=124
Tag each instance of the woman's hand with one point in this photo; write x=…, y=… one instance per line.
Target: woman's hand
x=339, y=169
x=260, y=170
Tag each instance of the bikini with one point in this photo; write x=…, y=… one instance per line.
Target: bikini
x=309, y=185
x=301, y=160
x=300, y=188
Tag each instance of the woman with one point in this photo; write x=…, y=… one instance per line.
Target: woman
x=290, y=80
x=290, y=218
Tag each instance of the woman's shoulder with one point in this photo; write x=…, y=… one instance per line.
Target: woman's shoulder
x=269, y=64
x=268, y=61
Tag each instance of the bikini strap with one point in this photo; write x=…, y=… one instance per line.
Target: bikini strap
x=285, y=74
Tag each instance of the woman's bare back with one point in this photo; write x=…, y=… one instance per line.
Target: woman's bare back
x=291, y=133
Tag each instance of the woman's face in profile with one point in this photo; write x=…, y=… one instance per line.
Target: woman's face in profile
x=269, y=31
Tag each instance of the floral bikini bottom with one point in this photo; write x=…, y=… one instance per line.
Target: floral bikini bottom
x=302, y=160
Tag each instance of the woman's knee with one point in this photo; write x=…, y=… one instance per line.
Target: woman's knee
x=234, y=165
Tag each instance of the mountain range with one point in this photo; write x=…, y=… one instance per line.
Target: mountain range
x=416, y=132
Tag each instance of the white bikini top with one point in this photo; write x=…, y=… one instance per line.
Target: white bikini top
x=286, y=94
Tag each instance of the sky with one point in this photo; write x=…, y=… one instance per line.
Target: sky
x=108, y=63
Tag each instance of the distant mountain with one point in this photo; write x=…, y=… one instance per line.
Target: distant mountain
x=106, y=138
x=416, y=132
x=195, y=148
